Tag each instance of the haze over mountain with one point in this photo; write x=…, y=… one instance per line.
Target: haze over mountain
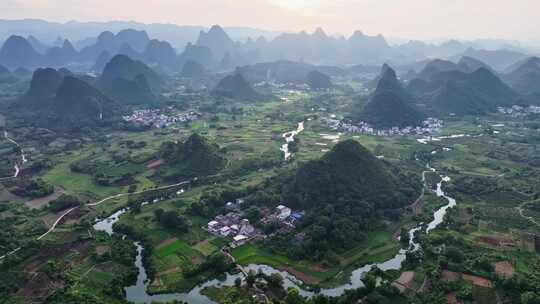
x=60, y=101
x=236, y=87
x=459, y=92
x=285, y=71
x=317, y=80
x=215, y=49
x=192, y=69
x=44, y=85
x=18, y=52
x=524, y=76
x=123, y=67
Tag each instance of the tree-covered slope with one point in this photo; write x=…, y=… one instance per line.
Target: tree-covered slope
x=390, y=105
x=194, y=157
x=236, y=87
x=349, y=174
x=479, y=92
x=123, y=67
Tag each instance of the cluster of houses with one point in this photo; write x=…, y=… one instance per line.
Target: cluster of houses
x=519, y=111
x=429, y=126
x=156, y=119
x=280, y=85
x=234, y=225
x=283, y=216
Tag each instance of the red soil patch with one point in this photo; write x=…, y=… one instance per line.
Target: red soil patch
x=478, y=281
x=102, y=249
x=405, y=281
x=452, y=299
x=449, y=276
x=504, y=269
x=155, y=163
x=496, y=242
x=304, y=277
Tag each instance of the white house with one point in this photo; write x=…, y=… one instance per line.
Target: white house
x=212, y=226
x=283, y=212
x=240, y=240
x=224, y=231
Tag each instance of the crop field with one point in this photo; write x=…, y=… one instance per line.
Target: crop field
x=379, y=247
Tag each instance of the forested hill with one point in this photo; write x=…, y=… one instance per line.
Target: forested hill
x=236, y=87
x=390, y=105
x=345, y=194
x=350, y=175
x=194, y=157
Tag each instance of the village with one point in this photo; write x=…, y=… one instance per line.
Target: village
x=519, y=111
x=234, y=225
x=155, y=118
x=429, y=126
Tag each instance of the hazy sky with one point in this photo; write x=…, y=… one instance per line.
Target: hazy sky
x=421, y=19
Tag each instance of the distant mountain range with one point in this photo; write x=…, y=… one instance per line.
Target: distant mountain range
x=221, y=49
x=83, y=33
x=285, y=71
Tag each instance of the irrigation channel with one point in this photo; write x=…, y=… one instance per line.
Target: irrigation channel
x=138, y=293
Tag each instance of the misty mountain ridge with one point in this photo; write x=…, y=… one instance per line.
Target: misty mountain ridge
x=216, y=49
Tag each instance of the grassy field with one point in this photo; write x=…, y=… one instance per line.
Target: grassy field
x=61, y=175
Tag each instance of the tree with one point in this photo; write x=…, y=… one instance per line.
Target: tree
x=370, y=282
x=275, y=280
x=157, y=213
x=530, y=297
x=171, y=220
x=294, y=297
x=238, y=282
x=251, y=278
x=404, y=236
x=135, y=206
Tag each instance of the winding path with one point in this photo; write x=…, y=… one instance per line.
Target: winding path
x=138, y=192
x=529, y=218
x=55, y=224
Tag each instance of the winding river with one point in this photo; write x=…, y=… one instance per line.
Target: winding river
x=289, y=138
x=23, y=156
x=138, y=292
